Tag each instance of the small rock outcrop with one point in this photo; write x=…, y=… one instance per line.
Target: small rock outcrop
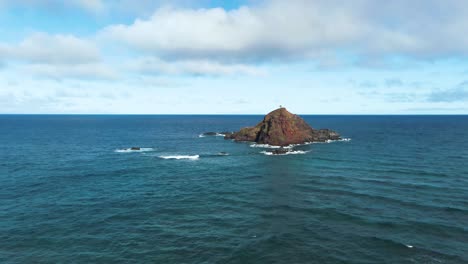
x=281, y=128
x=210, y=134
x=280, y=151
x=205, y=134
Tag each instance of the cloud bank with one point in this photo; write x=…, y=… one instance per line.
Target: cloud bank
x=302, y=29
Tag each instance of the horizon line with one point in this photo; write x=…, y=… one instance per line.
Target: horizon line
x=116, y=114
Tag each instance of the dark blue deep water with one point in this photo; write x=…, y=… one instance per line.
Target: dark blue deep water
x=396, y=193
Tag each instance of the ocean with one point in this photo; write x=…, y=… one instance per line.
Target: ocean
x=72, y=192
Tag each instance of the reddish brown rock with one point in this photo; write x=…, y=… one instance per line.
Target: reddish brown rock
x=281, y=128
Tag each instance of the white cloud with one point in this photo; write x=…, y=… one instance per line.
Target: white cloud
x=56, y=56
x=194, y=67
x=93, y=71
x=300, y=28
x=51, y=49
x=275, y=29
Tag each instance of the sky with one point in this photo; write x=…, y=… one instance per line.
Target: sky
x=233, y=57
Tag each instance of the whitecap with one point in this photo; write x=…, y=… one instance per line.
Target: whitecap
x=269, y=146
x=409, y=246
x=295, y=145
x=178, y=157
x=295, y=152
x=129, y=150
x=215, y=135
x=330, y=141
x=255, y=145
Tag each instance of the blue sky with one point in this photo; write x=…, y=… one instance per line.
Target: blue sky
x=233, y=57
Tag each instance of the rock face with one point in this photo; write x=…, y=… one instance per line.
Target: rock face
x=281, y=128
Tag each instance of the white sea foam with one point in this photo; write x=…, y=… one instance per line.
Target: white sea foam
x=331, y=141
x=409, y=246
x=269, y=146
x=129, y=150
x=295, y=145
x=179, y=157
x=294, y=152
x=255, y=145
x=216, y=135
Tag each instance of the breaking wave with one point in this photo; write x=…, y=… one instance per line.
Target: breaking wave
x=255, y=145
x=331, y=141
x=210, y=135
x=295, y=152
x=268, y=146
x=179, y=157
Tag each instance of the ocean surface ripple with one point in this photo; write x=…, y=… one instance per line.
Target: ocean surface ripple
x=73, y=190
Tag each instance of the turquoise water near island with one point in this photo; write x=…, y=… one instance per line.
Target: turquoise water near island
x=72, y=192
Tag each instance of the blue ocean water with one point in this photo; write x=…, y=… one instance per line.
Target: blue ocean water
x=397, y=192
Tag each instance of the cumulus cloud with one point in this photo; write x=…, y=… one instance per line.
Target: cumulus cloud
x=278, y=28
x=300, y=28
x=56, y=56
x=51, y=49
x=192, y=67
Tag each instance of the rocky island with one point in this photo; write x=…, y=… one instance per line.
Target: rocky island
x=282, y=128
